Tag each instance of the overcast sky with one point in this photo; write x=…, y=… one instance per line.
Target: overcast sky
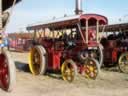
x=32, y=11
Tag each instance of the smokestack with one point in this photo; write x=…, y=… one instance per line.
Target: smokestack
x=78, y=9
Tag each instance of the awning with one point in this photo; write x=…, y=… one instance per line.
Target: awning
x=114, y=27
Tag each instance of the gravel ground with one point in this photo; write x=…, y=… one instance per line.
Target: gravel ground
x=108, y=83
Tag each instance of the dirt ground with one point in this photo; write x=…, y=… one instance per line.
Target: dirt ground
x=108, y=83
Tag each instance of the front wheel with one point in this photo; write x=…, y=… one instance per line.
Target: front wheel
x=90, y=68
x=123, y=63
x=68, y=70
x=7, y=71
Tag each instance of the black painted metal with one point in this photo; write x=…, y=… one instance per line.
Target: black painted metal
x=8, y=3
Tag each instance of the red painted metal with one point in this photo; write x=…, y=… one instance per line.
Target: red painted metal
x=56, y=47
x=114, y=47
x=4, y=73
x=20, y=45
x=20, y=42
x=6, y=77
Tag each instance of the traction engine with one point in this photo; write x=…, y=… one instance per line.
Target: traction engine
x=116, y=50
x=68, y=44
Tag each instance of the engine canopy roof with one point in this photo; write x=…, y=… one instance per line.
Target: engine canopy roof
x=67, y=21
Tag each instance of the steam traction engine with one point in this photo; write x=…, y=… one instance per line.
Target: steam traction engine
x=116, y=46
x=7, y=67
x=68, y=44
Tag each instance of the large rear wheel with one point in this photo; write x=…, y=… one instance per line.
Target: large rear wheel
x=68, y=70
x=98, y=54
x=37, y=60
x=7, y=71
x=123, y=63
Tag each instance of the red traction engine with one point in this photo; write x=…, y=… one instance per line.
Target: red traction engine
x=116, y=50
x=67, y=44
x=7, y=67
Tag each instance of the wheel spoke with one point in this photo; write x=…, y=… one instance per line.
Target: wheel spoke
x=123, y=63
x=90, y=69
x=68, y=71
x=70, y=76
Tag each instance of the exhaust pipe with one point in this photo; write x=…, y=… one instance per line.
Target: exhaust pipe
x=78, y=9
